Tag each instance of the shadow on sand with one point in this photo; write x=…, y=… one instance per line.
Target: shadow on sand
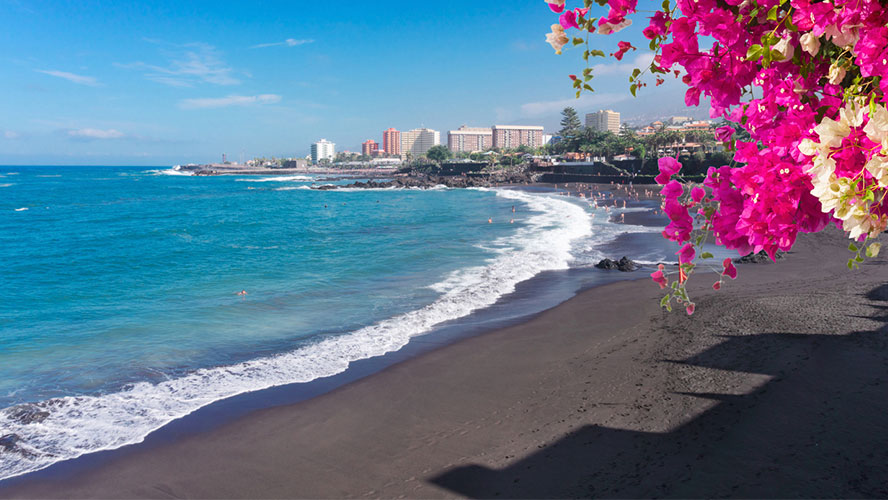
x=817, y=428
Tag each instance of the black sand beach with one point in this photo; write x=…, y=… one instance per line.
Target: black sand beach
x=776, y=387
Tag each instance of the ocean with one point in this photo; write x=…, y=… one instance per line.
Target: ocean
x=119, y=305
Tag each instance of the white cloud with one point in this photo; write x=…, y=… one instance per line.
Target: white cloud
x=585, y=101
x=232, y=100
x=94, y=133
x=9, y=134
x=641, y=61
x=191, y=64
x=71, y=77
x=289, y=42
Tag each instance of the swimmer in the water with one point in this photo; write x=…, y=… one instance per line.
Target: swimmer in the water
x=242, y=292
x=490, y=220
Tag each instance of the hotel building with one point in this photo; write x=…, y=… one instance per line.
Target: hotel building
x=512, y=136
x=369, y=148
x=322, y=150
x=470, y=139
x=418, y=141
x=604, y=121
x=391, y=142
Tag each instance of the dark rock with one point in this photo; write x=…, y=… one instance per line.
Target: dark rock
x=27, y=414
x=758, y=258
x=624, y=265
x=8, y=441
x=9, y=444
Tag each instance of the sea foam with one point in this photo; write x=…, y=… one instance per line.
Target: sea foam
x=281, y=178
x=72, y=426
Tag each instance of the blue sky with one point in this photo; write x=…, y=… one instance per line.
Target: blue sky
x=160, y=83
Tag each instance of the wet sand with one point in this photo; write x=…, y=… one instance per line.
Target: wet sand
x=776, y=387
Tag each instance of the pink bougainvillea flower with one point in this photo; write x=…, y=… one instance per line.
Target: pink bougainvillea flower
x=623, y=48
x=717, y=285
x=724, y=134
x=569, y=20
x=686, y=254
x=672, y=190
x=659, y=278
x=572, y=77
x=730, y=271
x=697, y=194
x=581, y=12
x=557, y=6
x=668, y=167
x=691, y=308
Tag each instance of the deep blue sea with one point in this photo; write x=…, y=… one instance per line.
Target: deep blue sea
x=119, y=309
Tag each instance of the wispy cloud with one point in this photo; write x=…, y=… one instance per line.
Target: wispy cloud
x=9, y=134
x=189, y=65
x=232, y=100
x=94, y=133
x=585, y=101
x=289, y=42
x=71, y=77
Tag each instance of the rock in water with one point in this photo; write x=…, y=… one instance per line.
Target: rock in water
x=624, y=264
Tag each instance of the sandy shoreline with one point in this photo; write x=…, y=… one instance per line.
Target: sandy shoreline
x=776, y=387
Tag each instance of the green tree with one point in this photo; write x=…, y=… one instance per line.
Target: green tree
x=439, y=153
x=570, y=123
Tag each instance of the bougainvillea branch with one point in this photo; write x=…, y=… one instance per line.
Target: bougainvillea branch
x=818, y=148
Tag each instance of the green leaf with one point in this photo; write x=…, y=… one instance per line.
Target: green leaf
x=754, y=52
x=578, y=93
x=633, y=88
x=873, y=250
x=587, y=78
x=587, y=87
x=653, y=45
x=636, y=72
x=586, y=55
x=666, y=5
x=577, y=41
x=850, y=263
x=706, y=255
x=664, y=301
x=596, y=53
x=852, y=247
x=858, y=259
x=772, y=14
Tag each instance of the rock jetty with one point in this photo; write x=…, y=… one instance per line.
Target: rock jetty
x=425, y=181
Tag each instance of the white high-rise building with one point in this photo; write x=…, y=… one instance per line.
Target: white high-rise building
x=322, y=150
x=604, y=121
x=418, y=141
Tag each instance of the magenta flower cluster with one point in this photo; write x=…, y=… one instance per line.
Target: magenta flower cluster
x=808, y=82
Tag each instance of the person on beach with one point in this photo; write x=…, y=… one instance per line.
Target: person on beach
x=513, y=209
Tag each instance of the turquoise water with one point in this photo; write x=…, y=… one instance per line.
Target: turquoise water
x=119, y=309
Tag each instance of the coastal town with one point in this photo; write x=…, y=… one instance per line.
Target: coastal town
x=602, y=143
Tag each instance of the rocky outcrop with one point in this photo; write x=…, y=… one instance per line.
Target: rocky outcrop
x=624, y=264
x=424, y=181
x=27, y=414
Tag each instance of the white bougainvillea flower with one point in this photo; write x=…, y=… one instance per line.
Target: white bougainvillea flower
x=810, y=43
x=785, y=47
x=877, y=127
x=836, y=74
x=878, y=168
x=557, y=38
